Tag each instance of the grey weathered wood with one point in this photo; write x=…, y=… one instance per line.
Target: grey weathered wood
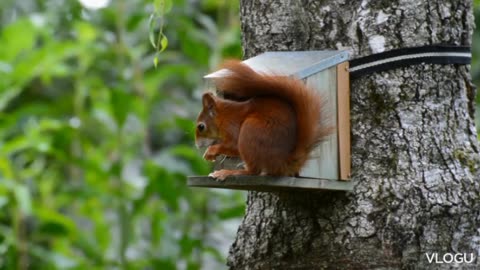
x=415, y=155
x=268, y=183
x=324, y=162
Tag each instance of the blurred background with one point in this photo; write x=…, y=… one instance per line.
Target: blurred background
x=96, y=143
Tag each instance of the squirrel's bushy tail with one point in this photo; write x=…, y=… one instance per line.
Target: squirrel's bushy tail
x=242, y=82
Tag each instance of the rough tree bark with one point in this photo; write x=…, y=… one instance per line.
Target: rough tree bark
x=414, y=144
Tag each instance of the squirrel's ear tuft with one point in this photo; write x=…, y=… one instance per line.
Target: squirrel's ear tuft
x=208, y=100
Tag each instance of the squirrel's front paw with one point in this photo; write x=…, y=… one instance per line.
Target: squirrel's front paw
x=219, y=175
x=209, y=156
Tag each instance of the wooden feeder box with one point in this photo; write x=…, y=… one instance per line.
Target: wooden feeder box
x=329, y=166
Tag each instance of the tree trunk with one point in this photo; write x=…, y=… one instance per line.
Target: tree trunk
x=414, y=145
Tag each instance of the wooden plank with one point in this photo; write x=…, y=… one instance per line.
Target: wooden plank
x=344, y=147
x=269, y=183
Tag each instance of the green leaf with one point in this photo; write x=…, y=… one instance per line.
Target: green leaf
x=163, y=6
x=17, y=37
x=164, y=264
x=120, y=104
x=187, y=125
x=151, y=29
x=7, y=170
x=155, y=61
x=55, y=224
x=85, y=32
x=135, y=21
x=40, y=62
x=232, y=212
x=163, y=43
x=162, y=183
x=7, y=95
x=188, y=244
x=158, y=5
x=168, y=6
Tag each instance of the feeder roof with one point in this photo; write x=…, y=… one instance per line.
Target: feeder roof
x=300, y=64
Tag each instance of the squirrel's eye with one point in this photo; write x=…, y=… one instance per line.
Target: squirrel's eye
x=201, y=127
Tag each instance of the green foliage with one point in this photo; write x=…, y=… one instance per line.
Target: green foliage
x=96, y=143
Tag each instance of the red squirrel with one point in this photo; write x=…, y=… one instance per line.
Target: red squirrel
x=271, y=122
